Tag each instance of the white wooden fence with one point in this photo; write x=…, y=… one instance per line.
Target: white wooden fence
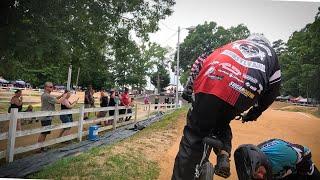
x=14, y=116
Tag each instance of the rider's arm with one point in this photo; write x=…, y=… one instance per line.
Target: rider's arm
x=269, y=95
x=195, y=69
x=305, y=166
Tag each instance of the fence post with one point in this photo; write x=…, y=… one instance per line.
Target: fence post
x=116, y=112
x=80, y=123
x=12, y=134
x=135, y=113
x=149, y=110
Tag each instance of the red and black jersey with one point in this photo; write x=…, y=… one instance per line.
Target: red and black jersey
x=240, y=73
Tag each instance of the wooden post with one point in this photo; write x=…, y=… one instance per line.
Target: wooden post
x=149, y=110
x=135, y=113
x=116, y=113
x=80, y=123
x=12, y=134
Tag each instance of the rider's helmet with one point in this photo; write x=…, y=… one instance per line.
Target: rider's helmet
x=248, y=159
x=259, y=37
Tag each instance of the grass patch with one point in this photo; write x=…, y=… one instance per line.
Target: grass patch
x=101, y=164
x=118, y=161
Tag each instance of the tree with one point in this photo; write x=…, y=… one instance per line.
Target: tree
x=158, y=61
x=204, y=38
x=279, y=46
x=161, y=78
x=300, y=62
x=41, y=38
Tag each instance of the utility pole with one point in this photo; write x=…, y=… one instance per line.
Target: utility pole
x=69, y=78
x=78, y=78
x=158, y=81
x=177, y=70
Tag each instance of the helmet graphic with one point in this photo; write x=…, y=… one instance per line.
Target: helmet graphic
x=259, y=37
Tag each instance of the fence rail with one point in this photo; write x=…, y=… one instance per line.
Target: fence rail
x=14, y=116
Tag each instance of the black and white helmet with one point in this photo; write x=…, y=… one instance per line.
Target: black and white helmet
x=259, y=37
x=248, y=158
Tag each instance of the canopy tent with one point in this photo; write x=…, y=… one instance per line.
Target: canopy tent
x=2, y=80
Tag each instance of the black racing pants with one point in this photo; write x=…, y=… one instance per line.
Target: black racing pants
x=314, y=176
x=210, y=115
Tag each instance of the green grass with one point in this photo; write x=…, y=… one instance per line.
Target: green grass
x=102, y=163
x=106, y=163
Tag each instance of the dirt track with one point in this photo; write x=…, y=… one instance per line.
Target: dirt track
x=296, y=127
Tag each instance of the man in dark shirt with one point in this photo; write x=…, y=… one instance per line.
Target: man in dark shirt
x=88, y=100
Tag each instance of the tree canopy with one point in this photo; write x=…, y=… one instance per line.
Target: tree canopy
x=300, y=62
x=39, y=39
x=204, y=38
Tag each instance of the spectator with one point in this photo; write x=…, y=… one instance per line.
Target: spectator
x=48, y=104
x=156, y=101
x=130, y=109
x=173, y=101
x=146, y=102
x=66, y=118
x=16, y=102
x=124, y=101
x=166, y=101
x=104, y=101
x=88, y=100
x=112, y=103
x=30, y=109
x=116, y=98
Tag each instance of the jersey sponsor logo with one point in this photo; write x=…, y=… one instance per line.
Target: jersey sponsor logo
x=243, y=62
x=251, y=87
x=231, y=75
x=211, y=74
x=269, y=144
x=249, y=50
x=250, y=78
x=227, y=69
x=231, y=68
x=241, y=89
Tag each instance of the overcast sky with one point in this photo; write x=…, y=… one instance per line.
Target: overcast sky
x=275, y=19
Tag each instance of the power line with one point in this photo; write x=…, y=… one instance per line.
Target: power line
x=171, y=37
x=168, y=26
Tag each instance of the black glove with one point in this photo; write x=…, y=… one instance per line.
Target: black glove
x=187, y=94
x=251, y=115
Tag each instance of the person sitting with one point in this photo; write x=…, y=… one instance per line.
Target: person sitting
x=30, y=109
x=275, y=159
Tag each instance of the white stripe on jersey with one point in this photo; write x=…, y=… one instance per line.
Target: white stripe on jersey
x=275, y=75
